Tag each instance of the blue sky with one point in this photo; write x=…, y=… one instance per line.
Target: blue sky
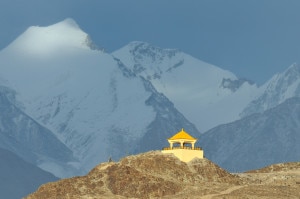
x=252, y=38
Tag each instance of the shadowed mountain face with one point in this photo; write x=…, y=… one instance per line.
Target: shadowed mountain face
x=25, y=137
x=168, y=120
x=257, y=140
x=19, y=178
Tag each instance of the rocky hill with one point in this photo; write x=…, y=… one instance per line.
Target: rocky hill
x=274, y=181
x=157, y=175
x=148, y=175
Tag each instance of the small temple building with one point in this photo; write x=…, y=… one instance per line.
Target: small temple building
x=182, y=145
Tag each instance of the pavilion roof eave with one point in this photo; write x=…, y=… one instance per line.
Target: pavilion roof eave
x=178, y=140
x=182, y=135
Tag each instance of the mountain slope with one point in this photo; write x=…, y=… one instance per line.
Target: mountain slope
x=25, y=137
x=19, y=178
x=257, y=140
x=205, y=94
x=167, y=121
x=87, y=98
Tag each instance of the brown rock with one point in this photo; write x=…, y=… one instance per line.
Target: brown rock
x=157, y=175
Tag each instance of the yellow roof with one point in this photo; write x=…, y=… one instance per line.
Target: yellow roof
x=182, y=135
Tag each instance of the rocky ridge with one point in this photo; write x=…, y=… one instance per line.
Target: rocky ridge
x=157, y=175
x=281, y=167
x=148, y=175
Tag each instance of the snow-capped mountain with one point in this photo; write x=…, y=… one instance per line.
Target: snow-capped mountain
x=44, y=41
x=205, y=94
x=274, y=92
x=209, y=96
x=95, y=105
x=87, y=98
x=256, y=140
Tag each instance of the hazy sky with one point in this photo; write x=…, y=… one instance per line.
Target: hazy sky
x=252, y=38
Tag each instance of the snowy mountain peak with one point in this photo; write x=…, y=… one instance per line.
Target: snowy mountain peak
x=68, y=22
x=278, y=89
x=191, y=84
x=54, y=38
x=293, y=72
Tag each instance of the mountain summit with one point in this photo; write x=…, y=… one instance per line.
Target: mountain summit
x=206, y=94
x=276, y=91
x=47, y=40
